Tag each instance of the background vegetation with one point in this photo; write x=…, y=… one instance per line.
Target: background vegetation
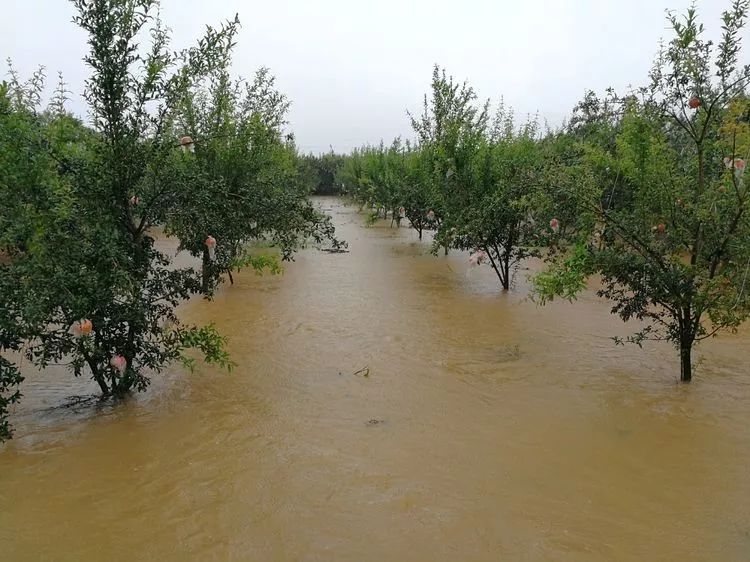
x=644, y=189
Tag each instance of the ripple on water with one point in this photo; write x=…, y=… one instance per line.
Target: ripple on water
x=488, y=428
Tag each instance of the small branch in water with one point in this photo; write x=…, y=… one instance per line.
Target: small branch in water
x=78, y=400
x=335, y=250
x=79, y=403
x=364, y=371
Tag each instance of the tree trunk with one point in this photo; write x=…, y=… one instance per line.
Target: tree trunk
x=99, y=378
x=699, y=194
x=498, y=267
x=121, y=386
x=505, y=265
x=205, y=273
x=103, y=385
x=686, y=365
x=420, y=233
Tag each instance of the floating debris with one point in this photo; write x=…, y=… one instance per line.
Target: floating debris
x=364, y=371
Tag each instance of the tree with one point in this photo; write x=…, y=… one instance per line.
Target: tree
x=493, y=217
x=673, y=247
x=450, y=131
x=322, y=172
x=239, y=182
x=82, y=282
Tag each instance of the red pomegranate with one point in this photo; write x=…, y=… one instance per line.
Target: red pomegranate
x=119, y=363
x=82, y=328
x=694, y=102
x=187, y=144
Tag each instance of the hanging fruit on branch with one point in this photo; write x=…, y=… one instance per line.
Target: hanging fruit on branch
x=478, y=258
x=119, y=363
x=694, y=102
x=82, y=328
x=211, y=245
x=187, y=144
x=554, y=224
x=738, y=164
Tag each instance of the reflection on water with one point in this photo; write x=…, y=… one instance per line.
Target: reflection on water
x=486, y=429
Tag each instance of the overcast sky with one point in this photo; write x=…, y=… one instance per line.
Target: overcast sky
x=352, y=68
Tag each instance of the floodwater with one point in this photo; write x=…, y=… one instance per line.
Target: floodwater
x=487, y=429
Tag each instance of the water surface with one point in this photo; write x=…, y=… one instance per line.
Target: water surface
x=488, y=429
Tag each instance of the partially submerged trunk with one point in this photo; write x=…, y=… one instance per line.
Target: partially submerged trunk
x=686, y=366
x=98, y=376
x=687, y=340
x=205, y=271
x=501, y=264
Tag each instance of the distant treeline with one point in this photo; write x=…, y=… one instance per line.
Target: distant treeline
x=319, y=172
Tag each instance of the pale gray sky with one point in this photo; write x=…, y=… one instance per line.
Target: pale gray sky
x=353, y=68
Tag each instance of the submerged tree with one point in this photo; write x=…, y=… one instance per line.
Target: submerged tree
x=238, y=181
x=82, y=280
x=494, y=219
x=450, y=131
x=673, y=245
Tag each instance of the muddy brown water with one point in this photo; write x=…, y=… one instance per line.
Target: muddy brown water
x=487, y=429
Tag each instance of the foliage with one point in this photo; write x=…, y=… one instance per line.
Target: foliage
x=494, y=214
x=82, y=282
x=321, y=173
x=645, y=190
x=673, y=246
x=470, y=180
x=240, y=181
